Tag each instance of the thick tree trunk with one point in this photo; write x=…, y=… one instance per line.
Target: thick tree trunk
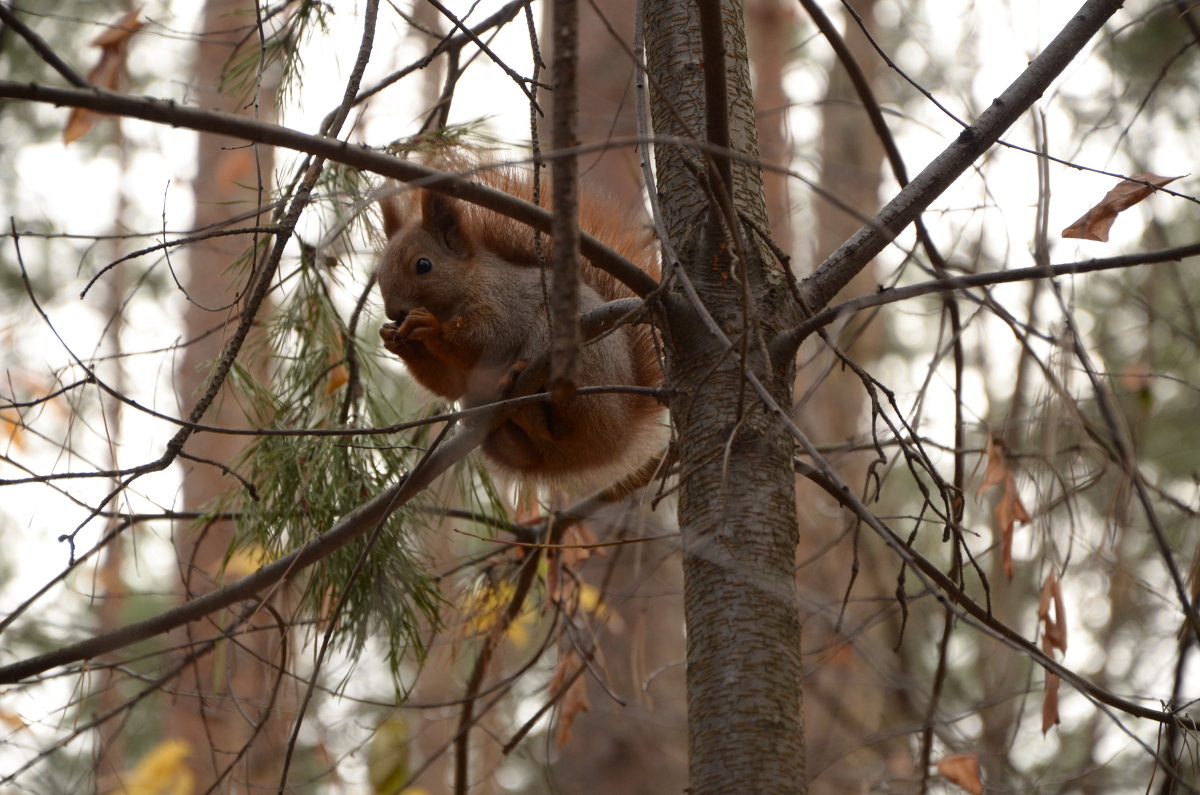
x=736, y=510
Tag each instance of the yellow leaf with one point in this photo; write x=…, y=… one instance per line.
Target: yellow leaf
x=338, y=376
x=589, y=597
x=162, y=771
x=245, y=560
x=488, y=609
x=387, y=755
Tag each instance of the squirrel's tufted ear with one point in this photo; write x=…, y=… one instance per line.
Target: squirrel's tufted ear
x=442, y=218
x=389, y=208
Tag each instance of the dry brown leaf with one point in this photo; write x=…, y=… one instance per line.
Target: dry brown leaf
x=840, y=652
x=1194, y=576
x=574, y=701
x=578, y=542
x=963, y=770
x=121, y=30
x=1095, y=223
x=1009, y=511
x=1054, y=636
x=114, y=50
x=12, y=720
x=1050, y=702
x=997, y=465
x=1054, y=628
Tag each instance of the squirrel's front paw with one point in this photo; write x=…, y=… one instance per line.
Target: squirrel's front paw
x=393, y=340
x=509, y=379
x=419, y=324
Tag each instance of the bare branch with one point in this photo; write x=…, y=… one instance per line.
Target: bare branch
x=792, y=339
x=41, y=47
x=841, y=266
x=173, y=114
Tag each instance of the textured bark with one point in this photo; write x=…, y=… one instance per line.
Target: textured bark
x=222, y=696
x=736, y=509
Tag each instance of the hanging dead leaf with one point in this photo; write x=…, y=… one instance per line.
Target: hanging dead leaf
x=1050, y=702
x=1095, y=223
x=963, y=770
x=12, y=721
x=107, y=73
x=574, y=701
x=997, y=464
x=1054, y=636
x=235, y=167
x=839, y=651
x=120, y=31
x=1054, y=627
x=579, y=542
x=1194, y=577
x=1008, y=509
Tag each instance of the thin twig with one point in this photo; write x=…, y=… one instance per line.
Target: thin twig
x=40, y=46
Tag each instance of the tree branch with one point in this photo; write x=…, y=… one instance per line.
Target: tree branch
x=171, y=113
x=564, y=257
x=790, y=340
x=364, y=518
x=41, y=47
x=841, y=266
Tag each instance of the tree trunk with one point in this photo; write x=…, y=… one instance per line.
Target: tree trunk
x=736, y=508
x=225, y=693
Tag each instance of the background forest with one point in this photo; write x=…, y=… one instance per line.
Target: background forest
x=985, y=435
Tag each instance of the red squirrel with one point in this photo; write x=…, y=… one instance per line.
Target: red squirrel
x=466, y=301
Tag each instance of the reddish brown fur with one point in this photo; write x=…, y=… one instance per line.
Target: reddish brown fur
x=599, y=216
x=459, y=329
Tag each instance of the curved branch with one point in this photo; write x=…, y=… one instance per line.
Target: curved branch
x=950, y=594
x=841, y=266
x=171, y=113
x=361, y=520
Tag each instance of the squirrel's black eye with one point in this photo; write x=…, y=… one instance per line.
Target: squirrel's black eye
x=423, y=266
